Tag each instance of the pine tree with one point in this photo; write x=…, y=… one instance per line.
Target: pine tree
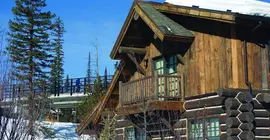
x=97, y=57
x=67, y=84
x=57, y=70
x=105, y=79
x=30, y=48
x=116, y=65
x=89, y=74
x=109, y=127
x=98, y=88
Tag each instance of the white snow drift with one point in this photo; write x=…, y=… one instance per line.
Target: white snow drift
x=248, y=7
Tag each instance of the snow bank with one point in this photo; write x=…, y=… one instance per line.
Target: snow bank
x=65, y=131
x=62, y=131
x=248, y=7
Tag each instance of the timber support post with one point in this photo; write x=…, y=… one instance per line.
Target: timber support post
x=120, y=93
x=156, y=85
x=138, y=66
x=182, y=87
x=181, y=59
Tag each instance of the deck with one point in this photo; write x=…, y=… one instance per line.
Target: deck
x=152, y=88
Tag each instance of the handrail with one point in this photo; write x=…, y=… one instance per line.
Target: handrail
x=134, y=81
x=62, y=86
x=157, y=87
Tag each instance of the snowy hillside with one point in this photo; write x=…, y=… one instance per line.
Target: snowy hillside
x=64, y=131
x=248, y=7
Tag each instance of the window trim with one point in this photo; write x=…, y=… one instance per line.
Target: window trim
x=189, y=124
x=166, y=63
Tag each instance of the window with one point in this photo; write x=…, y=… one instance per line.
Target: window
x=168, y=67
x=133, y=134
x=210, y=125
x=139, y=135
x=172, y=65
x=129, y=134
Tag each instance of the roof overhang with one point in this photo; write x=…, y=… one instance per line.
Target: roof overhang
x=215, y=15
x=220, y=16
x=162, y=26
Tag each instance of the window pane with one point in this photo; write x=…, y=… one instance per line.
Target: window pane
x=172, y=65
x=130, y=134
x=208, y=126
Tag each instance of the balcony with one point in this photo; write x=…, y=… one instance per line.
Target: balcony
x=152, y=88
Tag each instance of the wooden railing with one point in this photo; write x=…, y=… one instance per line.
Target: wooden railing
x=158, y=87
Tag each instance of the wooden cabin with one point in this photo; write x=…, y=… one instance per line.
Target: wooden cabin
x=188, y=73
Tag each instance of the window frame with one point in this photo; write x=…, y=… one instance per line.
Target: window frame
x=136, y=134
x=127, y=136
x=166, y=64
x=215, y=128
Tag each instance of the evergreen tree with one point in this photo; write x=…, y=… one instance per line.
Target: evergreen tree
x=30, y=48
x=89, y=102
x=67, y=84
x=57, y=70
x=116, y=65
x=109, y=127
x=97, y=57
x=105, y=79
x=98, y=88
x=89, y=74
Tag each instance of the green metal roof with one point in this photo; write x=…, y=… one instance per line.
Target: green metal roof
x=166, y=25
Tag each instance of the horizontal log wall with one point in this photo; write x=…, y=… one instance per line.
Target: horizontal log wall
x=248, y=115
x=180, y=129
x=121, y=124
x=207, y=105
x=241, y=115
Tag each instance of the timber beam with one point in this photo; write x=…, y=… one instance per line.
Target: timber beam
x=230, y=92
x=181, y=59
x=138, y=66
x=150, y=105
x=132, y=50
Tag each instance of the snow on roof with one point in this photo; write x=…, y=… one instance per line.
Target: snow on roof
x=247, y=7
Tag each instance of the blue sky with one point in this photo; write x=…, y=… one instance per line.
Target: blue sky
x=85, y=20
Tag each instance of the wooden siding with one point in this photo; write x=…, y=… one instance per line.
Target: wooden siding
x=214, y=61
x=217, y=62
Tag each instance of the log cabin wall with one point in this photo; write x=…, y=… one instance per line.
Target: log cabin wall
x=241, y=115
x=120, y=127
x=200, y=107
x=216, y=57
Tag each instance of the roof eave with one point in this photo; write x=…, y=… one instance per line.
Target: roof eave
x=122, y=32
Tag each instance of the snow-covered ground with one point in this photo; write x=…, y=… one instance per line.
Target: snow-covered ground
x=248, y=7
x=64, y=131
